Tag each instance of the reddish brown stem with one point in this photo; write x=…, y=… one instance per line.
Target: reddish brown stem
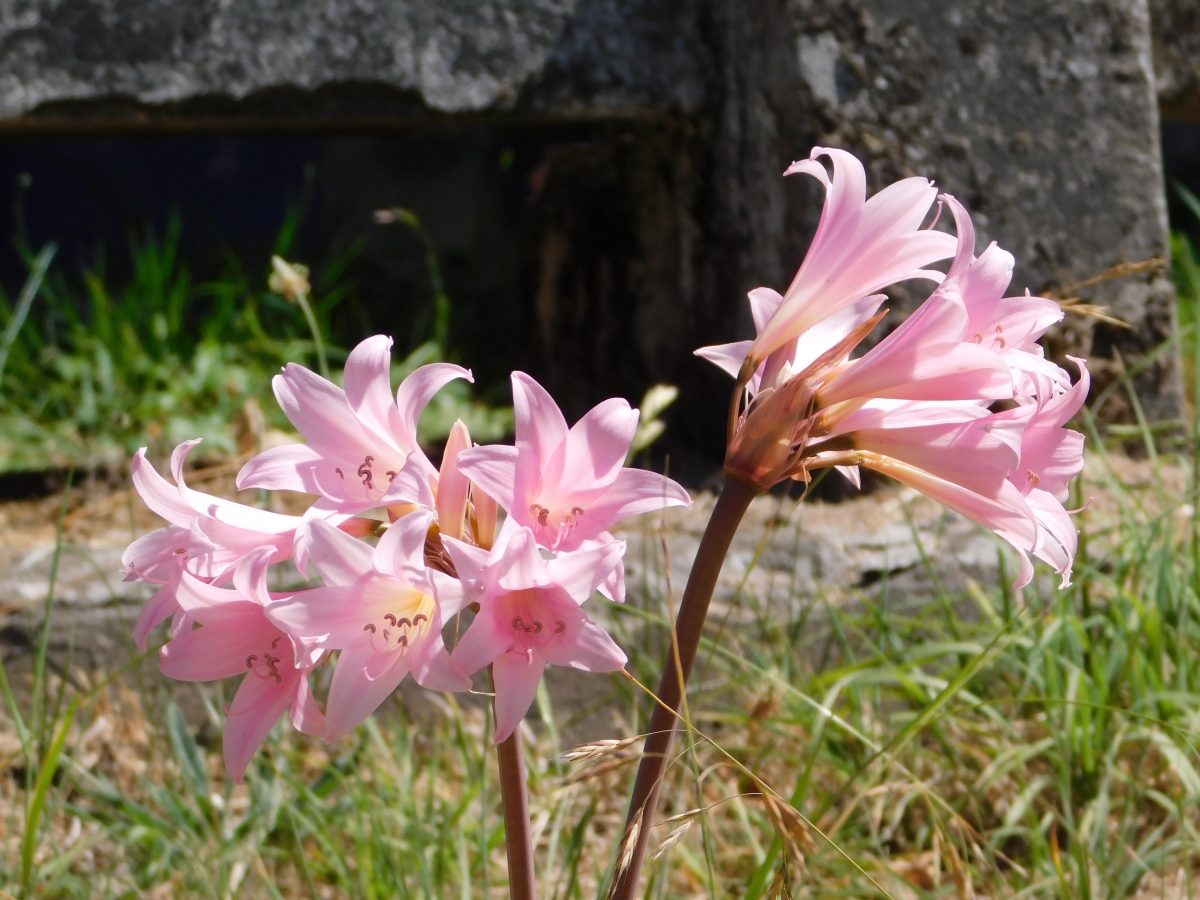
x=517, y=838
x=726, y=516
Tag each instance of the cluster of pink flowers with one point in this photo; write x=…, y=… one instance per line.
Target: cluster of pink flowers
x=958, y=402
x=384, y=607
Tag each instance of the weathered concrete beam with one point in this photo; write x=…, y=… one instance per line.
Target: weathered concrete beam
x=1040, y=115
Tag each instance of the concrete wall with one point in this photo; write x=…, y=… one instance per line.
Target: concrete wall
x=1041, y=115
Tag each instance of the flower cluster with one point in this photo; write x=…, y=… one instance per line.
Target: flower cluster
x=382, y=606
x=958, y=402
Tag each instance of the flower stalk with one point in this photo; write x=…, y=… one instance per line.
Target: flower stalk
x=517, y=837
x=731, y=506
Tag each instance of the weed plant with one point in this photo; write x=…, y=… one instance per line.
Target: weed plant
x=87, y=380
x=977, y=743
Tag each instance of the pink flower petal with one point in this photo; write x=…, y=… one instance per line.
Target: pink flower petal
x=516, y=676
x=593, y=453
x=401, y=551
x=494, y=469
x=414, y=394
x=157, y=555
x=635, y=491
x=582, y=571
x=287, y=468
x=482, y=642
x=157, y=493
x=256, y=708
x=586, y=646
x=353, y=695
x=541, y=428
x=321, y=413
x=335, y=615
x=216, y=651
x=156, y=611
x=306, y=715
x=1007, y=514
x=727, y=357
x=368, y=380
x=340, y=558
x=453, y=484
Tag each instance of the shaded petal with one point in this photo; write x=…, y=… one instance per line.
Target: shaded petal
x=494, y=469
x=516, y=676
x=470, y=563
x=581, y=571
x=434, y=669
x=401, y=551
x=727, y=357
x=541, y=430
x=586, y=646
x=353, y=694
x=156, y=611
x=306, y=715
x=216, y=651
x=520, y=564
x=763, y=304
x=340, y=558
x=482, y=642
x=450, y=594
x=256, y=708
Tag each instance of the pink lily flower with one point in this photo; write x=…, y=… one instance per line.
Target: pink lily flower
x=1010, y=326
x=569, y=485
x=928, y=357
x=207, y=536
x=861, y=246
x=383, y=609
x=529, y=616
x=1051, y=455
x=235, y=637
x=358, y=439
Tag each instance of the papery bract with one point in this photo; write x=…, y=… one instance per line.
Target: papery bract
x=529, y=616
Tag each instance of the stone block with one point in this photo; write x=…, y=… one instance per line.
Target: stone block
x=1040, y=115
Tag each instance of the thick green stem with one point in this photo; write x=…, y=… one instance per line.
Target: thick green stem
x=726, y=516
x=517, y=837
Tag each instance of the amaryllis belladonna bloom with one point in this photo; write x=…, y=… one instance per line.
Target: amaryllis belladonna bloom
x=383, y=609
x=529, y=616
x=207, y=536
x=569, y=485
x=860, y=247
x=234, y=638
x=358, y=439
x=916, y=405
